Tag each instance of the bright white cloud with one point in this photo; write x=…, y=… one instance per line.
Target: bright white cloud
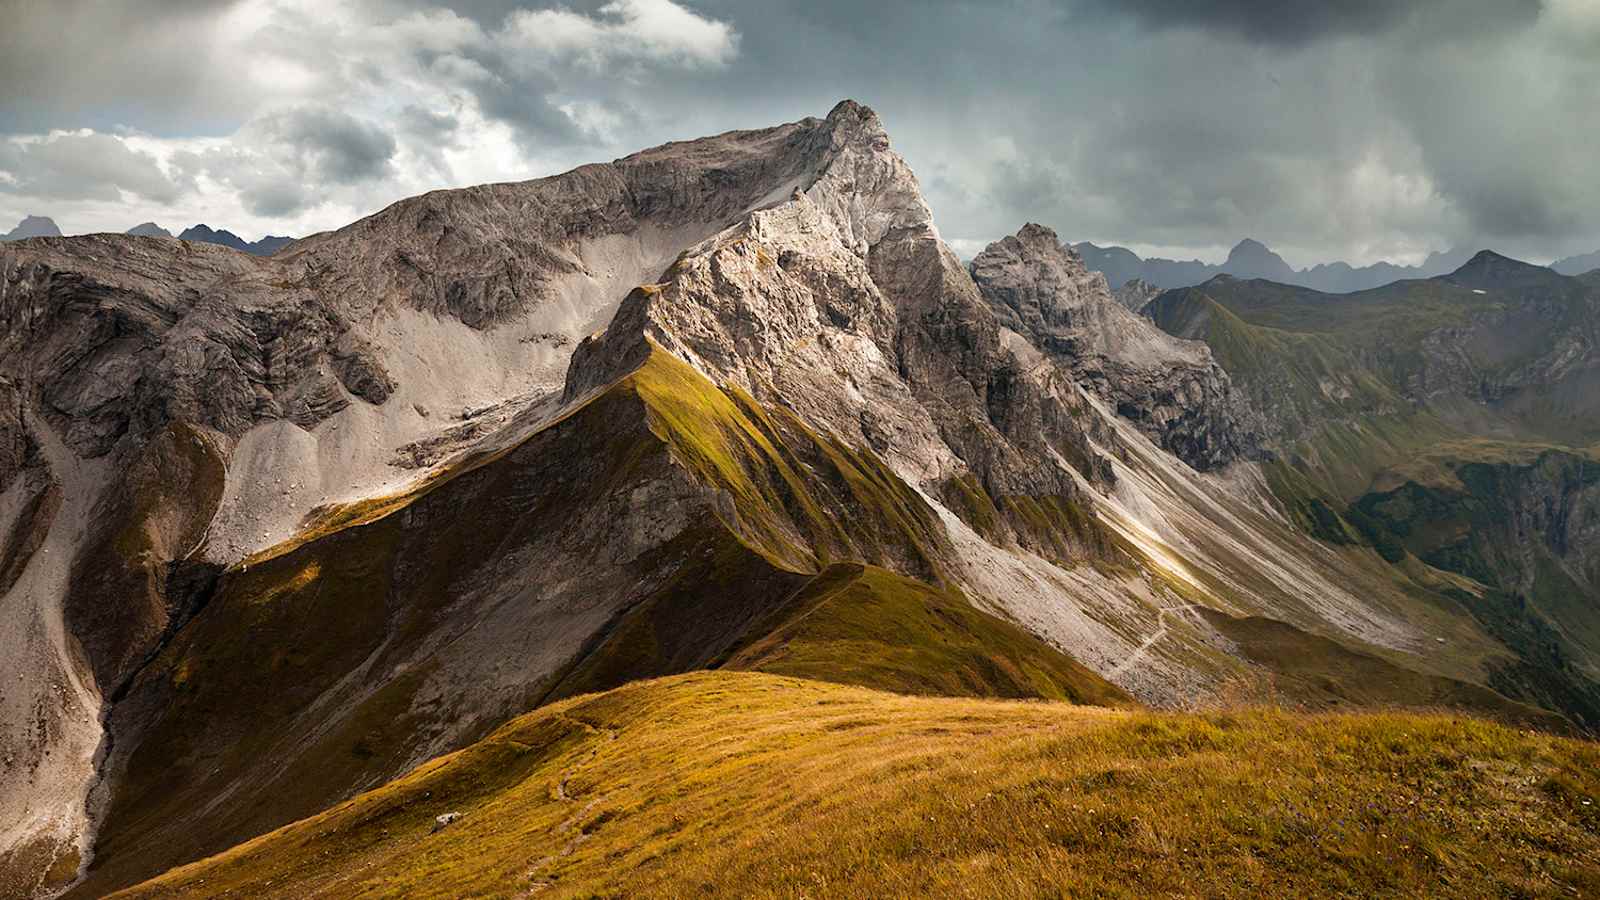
x=658, y=31
x=426, y=98
x=83, y=165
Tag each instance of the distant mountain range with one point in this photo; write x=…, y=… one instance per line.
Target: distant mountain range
x=265, y=247
x=1252, y=259
x=44, y=226
x=1577, y=265
x=1248, y=259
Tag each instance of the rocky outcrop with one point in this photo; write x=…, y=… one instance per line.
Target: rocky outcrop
x=120, y=336
x=1136, y=294
x=1171, y=388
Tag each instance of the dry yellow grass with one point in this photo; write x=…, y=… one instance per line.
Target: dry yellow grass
x=754, y=785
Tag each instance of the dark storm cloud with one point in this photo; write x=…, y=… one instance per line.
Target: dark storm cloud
x=428, y=125
x=1351, y=127
x=525, y=104
x=331, y=146
x=287, y=160
x=1277, y=22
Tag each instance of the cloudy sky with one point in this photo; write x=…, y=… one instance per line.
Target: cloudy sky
x=1364, y=130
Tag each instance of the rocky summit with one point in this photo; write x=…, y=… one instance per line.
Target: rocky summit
x=276, y=531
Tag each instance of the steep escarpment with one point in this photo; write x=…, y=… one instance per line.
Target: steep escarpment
x=1524, y=523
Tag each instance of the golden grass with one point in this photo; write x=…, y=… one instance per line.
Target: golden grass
x=755, y=785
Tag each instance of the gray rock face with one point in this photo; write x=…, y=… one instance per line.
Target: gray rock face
x=843, y=303
x=119, y=336
x=16, y=443
x=1136, y=293
x=1171, y=388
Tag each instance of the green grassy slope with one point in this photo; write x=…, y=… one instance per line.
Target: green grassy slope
x=866, y=626
x=1431, y=420
x=755, y=785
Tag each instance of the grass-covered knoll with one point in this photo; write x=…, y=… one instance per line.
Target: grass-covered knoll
x=754, y=785
x=866, y=626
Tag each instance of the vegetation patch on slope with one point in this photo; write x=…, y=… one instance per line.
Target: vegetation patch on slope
x=1320, y=673
x=866, y=626
x=1053, y=526
x=765, y=786
x=801, y=499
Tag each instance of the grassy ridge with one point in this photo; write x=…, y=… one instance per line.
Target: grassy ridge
x=867, y=626
x=765, y=786
x=801, y=499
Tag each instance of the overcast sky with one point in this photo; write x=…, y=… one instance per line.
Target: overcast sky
x=1369, y=129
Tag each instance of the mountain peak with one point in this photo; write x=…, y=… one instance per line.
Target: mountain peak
x=1034, y=233
x=847, y=109
x=1488, y=269
x=32, y=226
x=1577, y=265
x=1252, y=259
x=855, y=123
x=223, y=237
x=149, y=229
